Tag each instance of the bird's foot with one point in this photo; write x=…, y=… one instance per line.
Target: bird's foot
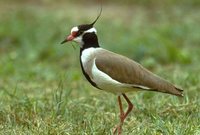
x=117, y=130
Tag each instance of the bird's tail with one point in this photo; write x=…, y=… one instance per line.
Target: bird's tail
x=179, y=92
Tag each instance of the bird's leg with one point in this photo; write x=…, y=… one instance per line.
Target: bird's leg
x=119, y=127
x=122, y=114
x=121, y=109
x=130, y=106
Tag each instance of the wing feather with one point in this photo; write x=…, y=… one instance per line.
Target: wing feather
x=127, y=71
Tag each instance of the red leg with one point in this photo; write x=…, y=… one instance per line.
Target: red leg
x=121, y=109
x=130, y=106
x=122, y=115
x=119, y=127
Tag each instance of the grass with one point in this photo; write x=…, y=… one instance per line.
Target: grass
x=42, y=89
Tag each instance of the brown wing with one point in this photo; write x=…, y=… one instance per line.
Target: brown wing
x=127, y=71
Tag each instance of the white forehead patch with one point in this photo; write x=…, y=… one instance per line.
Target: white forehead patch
x=74, y=29
x=91, y=30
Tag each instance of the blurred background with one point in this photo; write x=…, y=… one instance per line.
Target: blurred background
x=164, y=36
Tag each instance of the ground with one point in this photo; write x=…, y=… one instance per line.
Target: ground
x=42, y=89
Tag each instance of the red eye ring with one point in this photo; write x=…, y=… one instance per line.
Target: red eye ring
x=74, y=33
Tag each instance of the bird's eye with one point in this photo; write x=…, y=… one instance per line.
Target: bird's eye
x=74, y=33
x=77, y=33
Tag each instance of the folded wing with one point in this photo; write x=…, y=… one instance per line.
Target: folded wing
x=127, y=71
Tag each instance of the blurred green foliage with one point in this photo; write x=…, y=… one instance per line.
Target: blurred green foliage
x=126, y=2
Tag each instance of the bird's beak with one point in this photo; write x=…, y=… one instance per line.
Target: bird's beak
x=69, y=38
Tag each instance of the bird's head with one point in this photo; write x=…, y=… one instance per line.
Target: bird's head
x=83, y=34
x=79, y=33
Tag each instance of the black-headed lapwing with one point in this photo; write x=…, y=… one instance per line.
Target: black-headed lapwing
x=114, y=73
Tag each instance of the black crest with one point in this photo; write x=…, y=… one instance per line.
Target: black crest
x=97, y=17
x=85, y=27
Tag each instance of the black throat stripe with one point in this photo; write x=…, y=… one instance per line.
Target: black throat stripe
x=85, y=74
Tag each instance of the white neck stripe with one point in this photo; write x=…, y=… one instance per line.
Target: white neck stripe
x=91, y=30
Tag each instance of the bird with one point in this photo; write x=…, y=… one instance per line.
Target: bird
x=113, y=72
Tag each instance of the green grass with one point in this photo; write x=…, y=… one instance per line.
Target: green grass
x=42, y=89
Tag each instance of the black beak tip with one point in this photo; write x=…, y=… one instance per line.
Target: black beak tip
x=63, y=42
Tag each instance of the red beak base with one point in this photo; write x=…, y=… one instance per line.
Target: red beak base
x=69, y=38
